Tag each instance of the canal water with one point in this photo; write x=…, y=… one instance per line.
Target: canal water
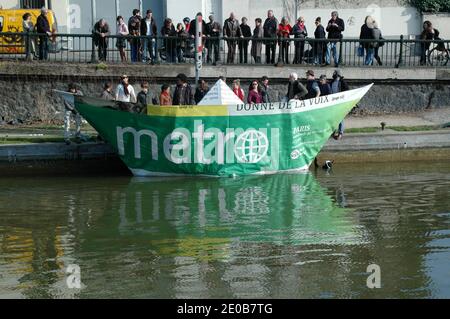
x=282, y=236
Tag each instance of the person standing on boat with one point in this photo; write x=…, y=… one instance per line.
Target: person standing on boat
x=70, y=112
x=264, y=86
x=324, y=86
x=125, y=91
x=107, y=93
x=254, y=93
x=201, y=91
x=338, y=85
x=311, y=85
x=238, y=90
x=144, y=97
x=296, y=90
x=164, y=97
x=183, y=92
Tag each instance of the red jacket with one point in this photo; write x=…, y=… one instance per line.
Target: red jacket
x=284, y=30
x=239, y=93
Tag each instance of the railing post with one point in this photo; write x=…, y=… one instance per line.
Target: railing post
x=340, y=52
x=93, y=57
x=400, y=58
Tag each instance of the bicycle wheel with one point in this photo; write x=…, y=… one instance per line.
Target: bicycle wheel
x=438, y=57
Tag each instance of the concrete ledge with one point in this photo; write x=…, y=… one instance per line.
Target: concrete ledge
x=403, y=145
x=55, y=151
x=390, y=141
x=164, y=71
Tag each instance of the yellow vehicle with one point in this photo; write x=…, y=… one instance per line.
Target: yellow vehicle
x=11, y=21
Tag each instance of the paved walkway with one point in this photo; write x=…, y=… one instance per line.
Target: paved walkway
x=427, y=118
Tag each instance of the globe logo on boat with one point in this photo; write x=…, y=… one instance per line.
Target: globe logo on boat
x=251, y=146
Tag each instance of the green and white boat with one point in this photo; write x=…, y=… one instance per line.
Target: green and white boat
x=221, y=136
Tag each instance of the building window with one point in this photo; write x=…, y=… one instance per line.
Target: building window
x=32, y=4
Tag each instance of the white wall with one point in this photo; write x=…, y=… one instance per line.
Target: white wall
x=441, y=22
x=393, y=20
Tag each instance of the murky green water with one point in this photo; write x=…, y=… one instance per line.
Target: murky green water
x=283, y=236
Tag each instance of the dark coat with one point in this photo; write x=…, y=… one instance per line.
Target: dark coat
x=270, y=28
x=183, y=96
x=199, y=94
x=134, y=25
x=265, y=93
x=325, y=89
x=296, y=90
x=144, y=27
x=98, y=30
x=319, y=33
x=298, y=32
x=333, y=31
x=366, y=34
x=211, y=26
x=42, y=24
x=246, y=31
x=231, y=28
x=193, y=27
x=257, y=43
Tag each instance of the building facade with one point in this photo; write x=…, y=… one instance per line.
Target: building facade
x=393, y=16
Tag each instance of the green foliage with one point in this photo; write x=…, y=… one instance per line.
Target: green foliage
x=431, y=5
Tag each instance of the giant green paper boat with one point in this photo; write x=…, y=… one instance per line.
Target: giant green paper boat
x=220, y=140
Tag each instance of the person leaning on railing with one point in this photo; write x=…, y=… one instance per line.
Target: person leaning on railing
x=28, y=28
x=122, y=32
x=335, y=28
x=170, y=42
x=213, y=32
x=134, y=27
x=429, y=33
x=231, y=29
x=319, y=46
x=300, y=33
x=284, y=32
x=246, y=33
x=258, y=34
x=270, y=32
x=367, y=34
x=43, y=28
x=149, y=43
x=100, y=33
x=181, y=42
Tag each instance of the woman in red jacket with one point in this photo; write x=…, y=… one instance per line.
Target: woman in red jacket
x=237, y=89
x=284, y=31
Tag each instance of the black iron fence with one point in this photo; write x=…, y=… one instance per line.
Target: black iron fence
x=82, y=48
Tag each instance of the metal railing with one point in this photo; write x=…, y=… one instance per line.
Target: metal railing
x=82, y=48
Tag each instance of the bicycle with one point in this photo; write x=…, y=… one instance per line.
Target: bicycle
x=438, y=55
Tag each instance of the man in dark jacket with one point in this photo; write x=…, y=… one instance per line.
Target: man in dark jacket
x=231, y=29
x=213, y=31
x=335, y=28
x=265, y=93
x=149, y=44
x=270, y=31
x=311, y=85
x=43, y=27
x=243, y=44
x=143, y=98
x=183, y=92
x=296, y=90
x=100, y=32
x=319, y=46
x=134, y=28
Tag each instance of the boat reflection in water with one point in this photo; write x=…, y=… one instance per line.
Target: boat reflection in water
x=205, y=217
